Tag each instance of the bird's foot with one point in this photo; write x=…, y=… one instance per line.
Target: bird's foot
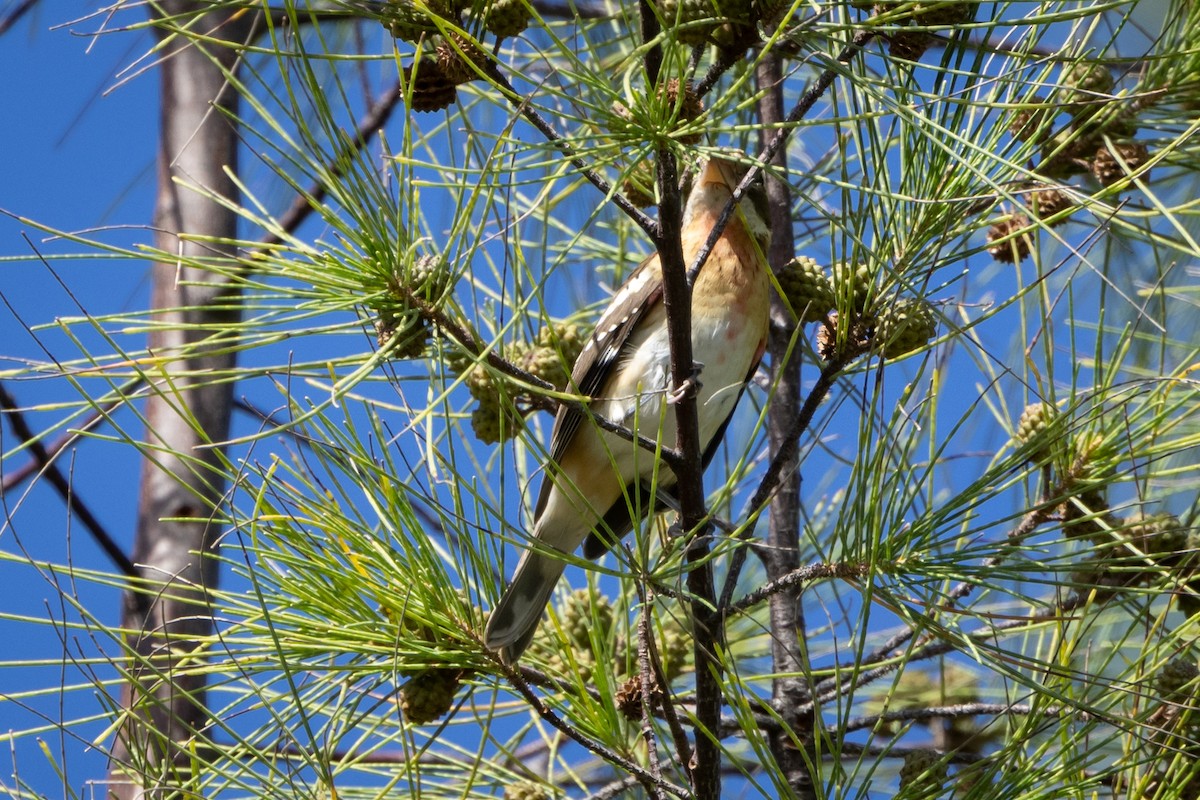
x=689, y=387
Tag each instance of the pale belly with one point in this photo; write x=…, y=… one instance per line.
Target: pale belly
x=724, y=348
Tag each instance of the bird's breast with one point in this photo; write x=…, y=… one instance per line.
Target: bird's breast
x=729, y=328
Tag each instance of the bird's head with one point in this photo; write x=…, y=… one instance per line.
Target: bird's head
x=713, y=187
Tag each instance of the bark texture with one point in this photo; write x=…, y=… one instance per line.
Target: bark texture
x=182, y=484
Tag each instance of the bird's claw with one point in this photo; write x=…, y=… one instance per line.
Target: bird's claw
x=688, y=387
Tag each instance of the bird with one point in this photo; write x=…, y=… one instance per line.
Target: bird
x=590, y=492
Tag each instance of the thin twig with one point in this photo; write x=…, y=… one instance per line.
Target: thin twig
x=797, y=578
x=525, y=109
x=648, y=781
x=785, y=455
x=648, y=680
x=78, y=507
x=945, y=712
x=19, y=475
x=305, y=204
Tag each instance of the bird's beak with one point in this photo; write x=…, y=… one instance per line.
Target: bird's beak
x=722, y=171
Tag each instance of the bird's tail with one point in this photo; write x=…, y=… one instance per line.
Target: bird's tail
x=515, y=618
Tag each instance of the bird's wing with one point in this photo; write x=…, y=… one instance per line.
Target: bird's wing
x=603, y=351
x=618, y=520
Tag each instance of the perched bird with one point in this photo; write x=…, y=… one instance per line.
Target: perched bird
x=592, y=483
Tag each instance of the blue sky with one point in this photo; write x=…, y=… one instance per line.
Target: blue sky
x=76, y=152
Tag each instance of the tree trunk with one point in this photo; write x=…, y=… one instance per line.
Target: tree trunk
x=182, y=484
x=781, y=555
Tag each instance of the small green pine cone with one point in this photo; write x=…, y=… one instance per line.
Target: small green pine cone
x=1162, y=536
x=493, y=424
x=854, y=281
x=1176, y=680
x=675, y=650
x=580, y=615
x=922, y=774
x=905, y=326
x=693, y=21
x=944, y=13
x=429, y=695
x=806, y=287
x=1084, y=84
x=506, y=18
x=404, y=334
x=556, y=350
x=405, y=20
x=456, y=359
x=399, y=326
x=1034, y=426
x=525, y=790
x=428, y=278
x=482, y=386
x=1005, y=244
x=1112, y=163
x=638, y=185
x=577, y=617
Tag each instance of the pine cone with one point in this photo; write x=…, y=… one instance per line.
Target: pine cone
x=854, y=281
x=629, y=698
x=405, y=20
x=506, y=18
x=693, y=21
x=554, y=353
x=493, y=424
x=858, y=337
x=638, y=186
x=1162, y=536
x=1034, y=426
x=432, y=89
x=1067, y=152
x=399, y=325
x=675, y=651
x=580, y=614
x=806, y=287
x=905, y=326
x=454, y=66
x=909, y=45
x=1176, y=681
x=1033, y=122
x=690, y=106
x=429, y=695
x=405, y=332
x=1084, y=84
x=923, y=773
x=1015, y=249
x=949, y=13
x=1048, y=201
x=1107, y=166
x=525, y=790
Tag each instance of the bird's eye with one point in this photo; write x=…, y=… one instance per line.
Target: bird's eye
x=757, y=195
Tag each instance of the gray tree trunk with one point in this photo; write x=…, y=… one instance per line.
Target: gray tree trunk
x=181, y=482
